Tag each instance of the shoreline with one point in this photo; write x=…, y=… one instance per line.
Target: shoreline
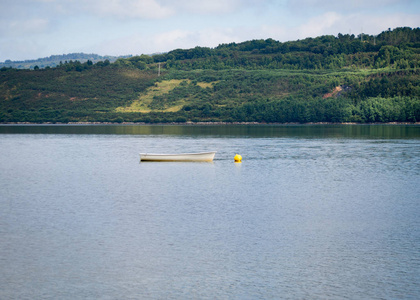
x=203, y=123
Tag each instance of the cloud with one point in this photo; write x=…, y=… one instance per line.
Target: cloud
x=331, y=23
x=155, y=9
x=342, y=6
x=210, y=37
x=160, y=9
x=23, y=27
x=334, y=23
x=29, y=26
x=319, y=25
x=165, y=41
x=38, y=28
x=18, y=50
x=205, y=6
x=147, y=9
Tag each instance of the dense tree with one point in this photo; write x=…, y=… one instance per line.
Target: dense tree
x=324, y=79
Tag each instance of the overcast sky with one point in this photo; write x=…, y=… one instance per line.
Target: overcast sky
x=31, y=29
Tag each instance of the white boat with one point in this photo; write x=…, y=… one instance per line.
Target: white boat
x=202, y=156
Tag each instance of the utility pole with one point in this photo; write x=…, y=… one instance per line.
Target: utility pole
x=159, y=69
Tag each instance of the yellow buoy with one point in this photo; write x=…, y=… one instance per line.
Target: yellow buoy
x=237, y=158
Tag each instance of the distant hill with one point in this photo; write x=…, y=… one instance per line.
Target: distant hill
x=343, y=78
x=54, y=60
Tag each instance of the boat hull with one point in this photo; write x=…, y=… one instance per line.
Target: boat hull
x=203, y=156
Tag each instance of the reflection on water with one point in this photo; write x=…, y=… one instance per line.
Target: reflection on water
x=312, y=212
x=309, y=131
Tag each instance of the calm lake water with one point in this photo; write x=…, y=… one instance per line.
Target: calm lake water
x=312, y=212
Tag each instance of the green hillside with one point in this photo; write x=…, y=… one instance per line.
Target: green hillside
x=325, y=79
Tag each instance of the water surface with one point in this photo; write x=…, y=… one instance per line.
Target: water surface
x=318, y=212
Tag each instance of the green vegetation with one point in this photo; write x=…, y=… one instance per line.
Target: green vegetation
x=326, y=79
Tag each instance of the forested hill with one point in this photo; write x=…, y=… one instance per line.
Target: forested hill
x=343, y=78
x=55, y=60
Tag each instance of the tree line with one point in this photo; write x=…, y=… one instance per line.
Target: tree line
x=324, y=79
